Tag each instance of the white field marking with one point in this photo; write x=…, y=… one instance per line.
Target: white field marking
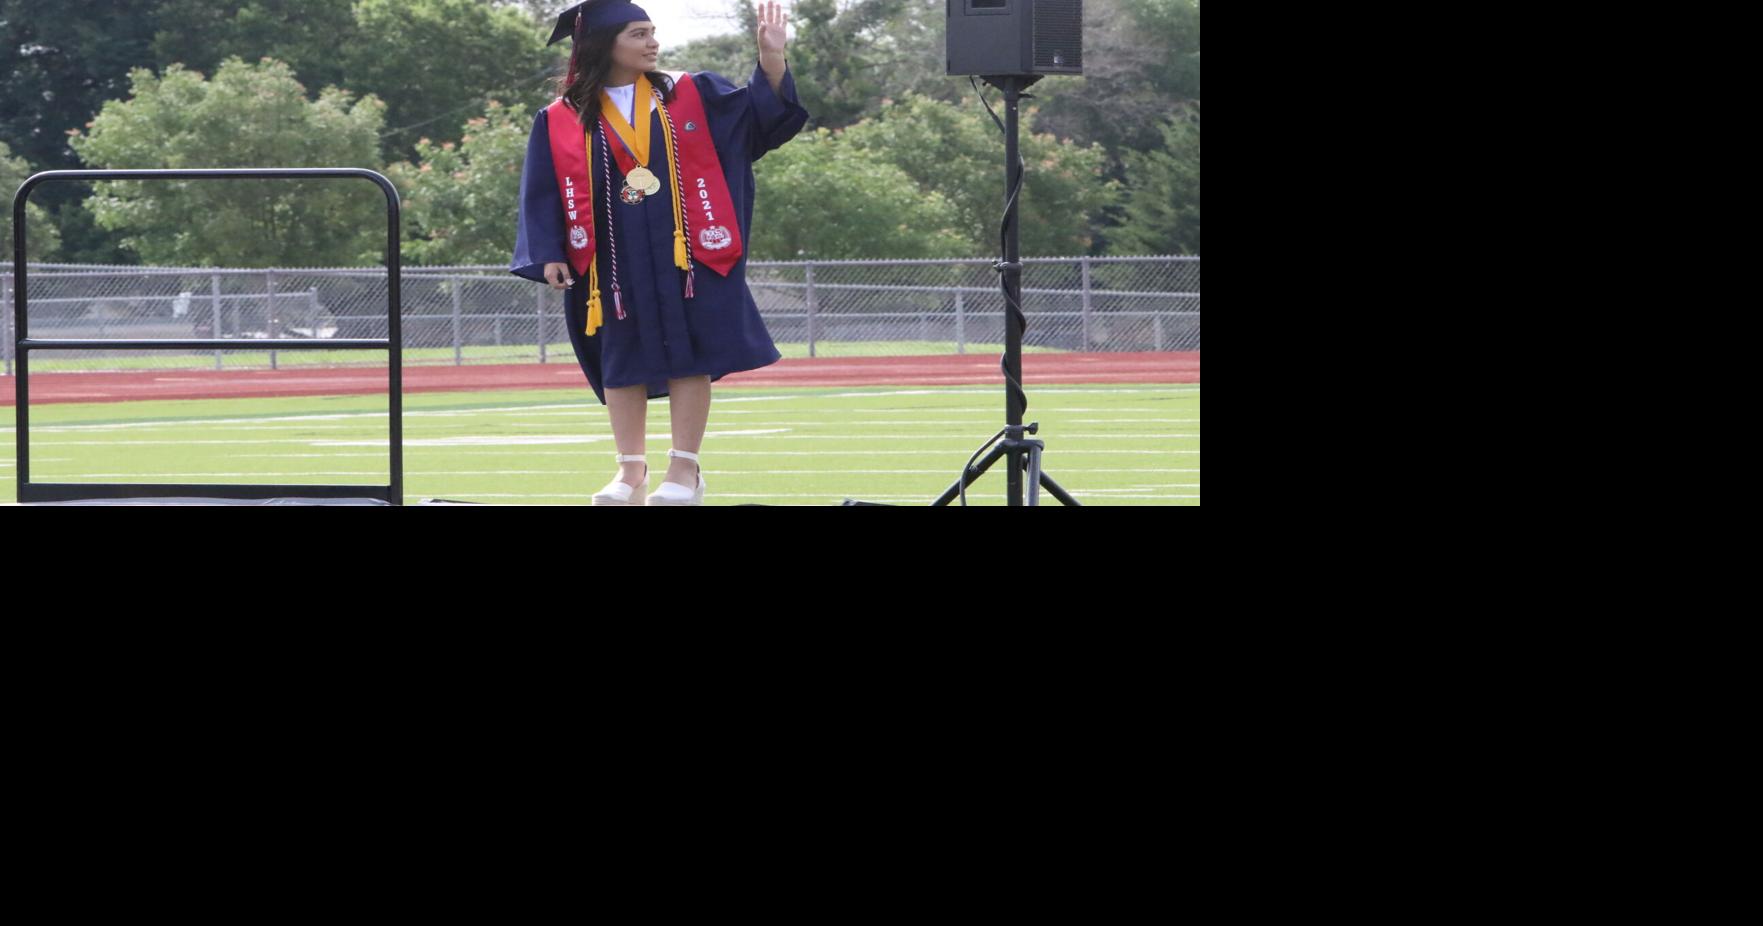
x=146, y=443
x=898, y=437
x=959, y=454
x=779, y=434
x=508, y=410
x=905, y=501
x=490, y=441
x=381, y=442
x=232, y=428
x=774, y=434
x=564, y=474
x=228, y=428
x=662, y=411
x=961, y=422
x=890, y=438
x=194, y=422
x=952, y=390
x=1046, y=497
x=571, y=439
x=573, y=475
x=252, y=475
x=577, y=408
x=340, y=416
x=381, y=415
x=847, y=424
x=859, y=496
x=732, y=473
x=1156, y=485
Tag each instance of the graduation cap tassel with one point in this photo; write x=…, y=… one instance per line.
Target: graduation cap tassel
x=575, y=43
x=594, y=316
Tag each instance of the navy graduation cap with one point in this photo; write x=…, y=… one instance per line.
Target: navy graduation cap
x=591, y=15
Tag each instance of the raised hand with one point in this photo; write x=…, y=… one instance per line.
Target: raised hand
x=772, y=24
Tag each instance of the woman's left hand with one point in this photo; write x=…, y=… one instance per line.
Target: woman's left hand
x=772, y=22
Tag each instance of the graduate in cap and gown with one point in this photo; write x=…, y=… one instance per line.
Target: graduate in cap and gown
x=637, y=197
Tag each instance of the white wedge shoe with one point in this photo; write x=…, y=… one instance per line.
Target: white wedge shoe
x=672, y=493
x=619, y=492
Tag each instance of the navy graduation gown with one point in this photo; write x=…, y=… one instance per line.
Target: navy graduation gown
x=718, y=331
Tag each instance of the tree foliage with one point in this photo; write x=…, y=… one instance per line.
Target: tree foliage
x=249, y=115
x=898, y=160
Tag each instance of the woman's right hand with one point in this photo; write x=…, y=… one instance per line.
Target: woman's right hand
x=558, y=276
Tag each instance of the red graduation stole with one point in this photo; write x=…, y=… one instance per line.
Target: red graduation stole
x=706, y=215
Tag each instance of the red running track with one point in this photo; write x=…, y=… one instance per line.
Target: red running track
x=955, y=370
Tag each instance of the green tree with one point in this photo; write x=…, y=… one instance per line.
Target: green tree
x=823, y=196
x=1141, y=64
x=247, y=116
x=453, y=82
x=957, y=152
x=438, y=63
x=849, y=52
x=1141, y=69
x=41, y=237
x=460, y=200
x=306, y=34
x=57, y=69
x=1161, y=213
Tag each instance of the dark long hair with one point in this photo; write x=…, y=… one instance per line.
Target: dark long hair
x=590, y=63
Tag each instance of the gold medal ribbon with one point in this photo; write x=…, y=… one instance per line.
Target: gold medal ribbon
x=679, y=235
x=635, y=137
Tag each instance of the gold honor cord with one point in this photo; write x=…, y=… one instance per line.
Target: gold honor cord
x=639, y=147
x=679, y=235
x=594, y=316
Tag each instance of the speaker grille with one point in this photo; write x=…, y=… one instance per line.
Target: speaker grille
x=1058, y=39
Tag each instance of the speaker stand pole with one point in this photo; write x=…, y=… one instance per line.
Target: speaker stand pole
x=1023, y=453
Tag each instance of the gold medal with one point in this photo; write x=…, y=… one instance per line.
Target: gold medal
x=653, y=187
x=641, y=179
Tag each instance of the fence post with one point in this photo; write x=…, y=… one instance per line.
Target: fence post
x=219, y=322
x=6, y=317
x=269, y=318
x=544, y=323
x=458, y=306
x=960, y=322
x=813, y=312
x=1157, y=329
x=1084, y=310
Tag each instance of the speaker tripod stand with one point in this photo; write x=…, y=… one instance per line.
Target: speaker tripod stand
x=1022, y=453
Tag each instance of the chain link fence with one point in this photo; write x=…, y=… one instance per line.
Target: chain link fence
x=484, y=314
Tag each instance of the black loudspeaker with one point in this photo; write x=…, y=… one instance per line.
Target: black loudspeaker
x=1003, y=37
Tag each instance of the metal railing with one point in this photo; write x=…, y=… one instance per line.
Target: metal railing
x=67, y=326
x=484, y=314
